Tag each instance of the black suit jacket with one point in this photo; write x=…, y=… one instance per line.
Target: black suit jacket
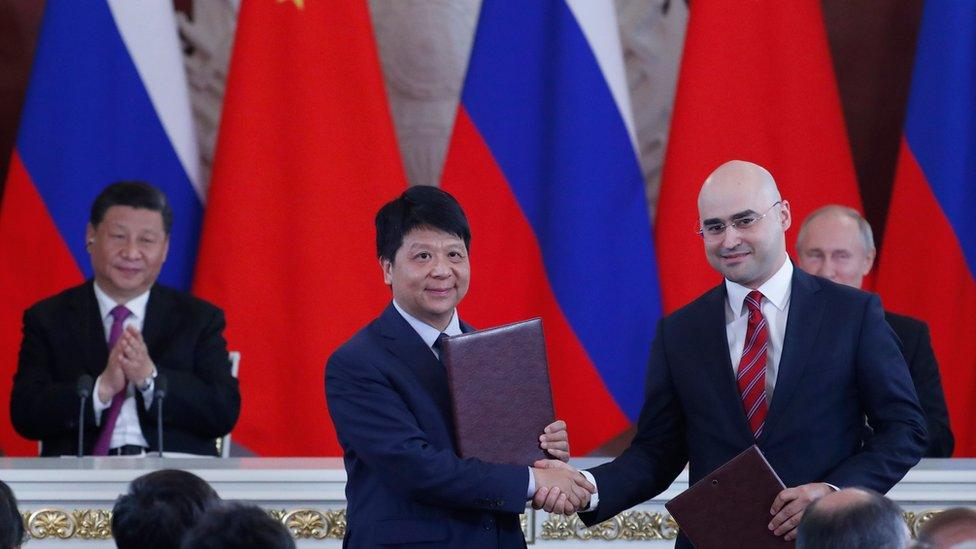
x=916, y=345
x=64, y=338
x=389, y=401
x=840, y=363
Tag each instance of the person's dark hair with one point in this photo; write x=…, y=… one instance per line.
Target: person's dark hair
x=871, y=522
x=12, y=532
x=135, y=194
x=238, y=526
x=419, y=207
x=160, y=508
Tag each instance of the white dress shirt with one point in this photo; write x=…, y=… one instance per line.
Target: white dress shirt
x=127, y=429
x=430, y=334
x=775, y=307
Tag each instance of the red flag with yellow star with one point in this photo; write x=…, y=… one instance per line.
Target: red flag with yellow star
x=305, y=157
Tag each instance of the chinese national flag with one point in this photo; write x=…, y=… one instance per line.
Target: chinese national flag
x=756, y=84
x=305, y=157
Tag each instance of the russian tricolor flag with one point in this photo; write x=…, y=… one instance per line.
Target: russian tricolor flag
x=107, y=100
x=543, y=161
x=928, y=261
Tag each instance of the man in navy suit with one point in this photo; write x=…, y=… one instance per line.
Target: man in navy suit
x=837, y=243
x=388, y=396
x=794, y=368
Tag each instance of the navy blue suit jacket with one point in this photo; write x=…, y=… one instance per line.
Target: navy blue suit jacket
x=389, y=401
x=840, y=363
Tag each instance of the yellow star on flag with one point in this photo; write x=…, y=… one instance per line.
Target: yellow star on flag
x=300, y=4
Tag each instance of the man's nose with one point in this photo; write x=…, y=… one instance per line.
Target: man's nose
x=731, y=237
x=130, y=249
x=441, y=267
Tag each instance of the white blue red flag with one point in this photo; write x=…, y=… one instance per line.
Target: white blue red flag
x=543, y=160
x=107, y=101
x=928, y=261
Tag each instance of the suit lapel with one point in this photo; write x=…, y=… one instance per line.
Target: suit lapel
x=87, y=328
x=717, y=360
x=158, y=325
x=802, y=326
x=401, y=340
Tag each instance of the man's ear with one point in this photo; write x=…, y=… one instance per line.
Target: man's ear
x=89, y=237
x=786, y=217
x=870, y=263
x=387, y=267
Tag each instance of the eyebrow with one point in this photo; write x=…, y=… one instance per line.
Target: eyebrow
x=716, y=220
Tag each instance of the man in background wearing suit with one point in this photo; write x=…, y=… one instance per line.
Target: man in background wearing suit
x=124, y=330
x=388, y=397
x=772, y=356
x=837, y=243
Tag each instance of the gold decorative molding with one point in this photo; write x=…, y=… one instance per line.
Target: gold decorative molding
x=916, y=520
x=49, y=523
x=92, y=523
x=630, y=526
x=96, y=524
x=312, y=524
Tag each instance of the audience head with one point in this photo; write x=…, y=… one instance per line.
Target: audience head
x=160, y=508
x=950, y=529
x=12, y=534
x=852, y=518
x=743, y=221
x=128, y=238
x=837, y=243
x=422, y=241
x=238, y=526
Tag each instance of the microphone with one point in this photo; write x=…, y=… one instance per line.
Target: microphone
x=162, y=386
x=85, y=385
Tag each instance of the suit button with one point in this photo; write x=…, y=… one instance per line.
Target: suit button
x=489, y=524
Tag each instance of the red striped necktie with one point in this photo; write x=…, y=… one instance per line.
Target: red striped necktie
x=751, y=376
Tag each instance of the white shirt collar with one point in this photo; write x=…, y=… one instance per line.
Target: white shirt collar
x=427, y=332
x=136, y=305
x=776, y=290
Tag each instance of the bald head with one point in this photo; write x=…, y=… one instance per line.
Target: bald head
x=746, y=220
x=741, y=178
x=852, y=518
x=950, y=529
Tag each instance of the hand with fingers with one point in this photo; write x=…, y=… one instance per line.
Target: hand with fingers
x=560, y=488
x=789, y=505
x=134, y=359
x=555, y=440
x=112, y=379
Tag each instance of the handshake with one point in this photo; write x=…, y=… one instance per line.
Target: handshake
x=559, y=488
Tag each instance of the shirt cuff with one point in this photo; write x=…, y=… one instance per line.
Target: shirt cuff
x=595, y=497
x=530, y=493
x=97, y=406
x=148, y=392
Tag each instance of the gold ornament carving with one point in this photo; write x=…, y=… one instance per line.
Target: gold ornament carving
x=629, y=526
x=916, y=520
x=92, y=523
x=50, y=523
x=312, y=524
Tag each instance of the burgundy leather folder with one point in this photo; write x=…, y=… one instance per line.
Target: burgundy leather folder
x=730, y=507
x=502, y=399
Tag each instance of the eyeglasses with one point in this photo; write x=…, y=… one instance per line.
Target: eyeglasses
x=715, y=231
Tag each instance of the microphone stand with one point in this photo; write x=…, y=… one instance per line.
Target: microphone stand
x=160, y=395
x=85, y=384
